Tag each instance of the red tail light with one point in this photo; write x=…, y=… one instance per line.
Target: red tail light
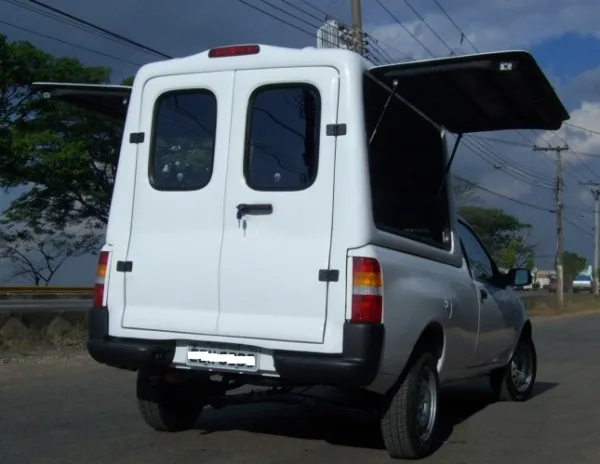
x=235, y=50
x=100, y=279
x=367, y=291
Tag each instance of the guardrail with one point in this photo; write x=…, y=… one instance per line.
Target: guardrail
x=21, y=289
x=58, y=305
x=31, y=294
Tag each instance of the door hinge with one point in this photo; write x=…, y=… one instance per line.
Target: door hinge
x=136, y=137
x=124, y=266
x=329, y=275
x=335, y=130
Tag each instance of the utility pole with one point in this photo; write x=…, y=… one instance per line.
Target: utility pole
x=596, y=192
x=559, y=220
x=358, y=44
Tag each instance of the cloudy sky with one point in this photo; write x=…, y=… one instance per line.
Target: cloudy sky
x=563, y=35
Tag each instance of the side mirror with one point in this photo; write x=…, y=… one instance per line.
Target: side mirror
x=519, y=277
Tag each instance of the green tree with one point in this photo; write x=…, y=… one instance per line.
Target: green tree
x=65, y=158
x=504, y=235
x=573, y=264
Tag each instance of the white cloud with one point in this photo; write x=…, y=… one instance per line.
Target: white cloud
x=584, y=144
x=507, y=24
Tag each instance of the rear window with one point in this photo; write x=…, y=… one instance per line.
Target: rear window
x=406, y=165
x=182, y=151
x=282, y=145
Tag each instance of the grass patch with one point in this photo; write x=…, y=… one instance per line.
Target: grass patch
x=547, y=305
x=32, y=331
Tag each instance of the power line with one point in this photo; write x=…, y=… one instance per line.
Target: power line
x=378, y=50
x=577, y=155
x=66, y=42
x=577, y=226
x=373, y=57
x=525, y=145
x=403, y=27
x=520, y=176
x=509, y=163
x=98, y=28
x=278, y=18
x=289, y=14
x=382, y=50
x=523, y=203
x=447, y=46
x=462, y=34
x=485, y=152
x=316, y=8
x=490, y=155
x=296, y=7
x=34, y=9
x=429, y=27
x=582, y=128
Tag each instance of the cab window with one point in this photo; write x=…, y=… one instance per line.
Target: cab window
x=478, y=260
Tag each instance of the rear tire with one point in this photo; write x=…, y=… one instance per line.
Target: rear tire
x=516, y=381
x=168, y=407
x=409, y=423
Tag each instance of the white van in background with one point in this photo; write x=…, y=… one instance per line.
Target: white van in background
x=285, y=218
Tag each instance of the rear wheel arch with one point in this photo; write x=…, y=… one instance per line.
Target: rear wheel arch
x=526, y=331
x=432, y=340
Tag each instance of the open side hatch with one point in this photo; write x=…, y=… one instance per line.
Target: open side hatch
x=108, y=100
x=478, y=93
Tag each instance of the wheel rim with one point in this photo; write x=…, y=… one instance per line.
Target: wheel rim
x=521, y=368
x=426, y=404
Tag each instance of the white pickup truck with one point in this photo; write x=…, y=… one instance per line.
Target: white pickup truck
x=285, y=218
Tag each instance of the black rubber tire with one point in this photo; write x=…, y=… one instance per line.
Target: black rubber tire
x=168, y=407
x=501, y=380
x=399, y=418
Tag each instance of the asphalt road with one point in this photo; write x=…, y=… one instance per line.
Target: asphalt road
x=77, y=411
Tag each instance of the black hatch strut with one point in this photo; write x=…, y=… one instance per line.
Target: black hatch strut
x=389, y=99
x=448, y=166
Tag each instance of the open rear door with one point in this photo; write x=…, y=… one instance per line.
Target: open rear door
x=479, y=93
x=108, y=100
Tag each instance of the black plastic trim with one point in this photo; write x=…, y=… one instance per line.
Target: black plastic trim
x=136, y=137
x=124, y=266
x=335, y=130
x=356, y=366
x=122, y=353
x=329, y=275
